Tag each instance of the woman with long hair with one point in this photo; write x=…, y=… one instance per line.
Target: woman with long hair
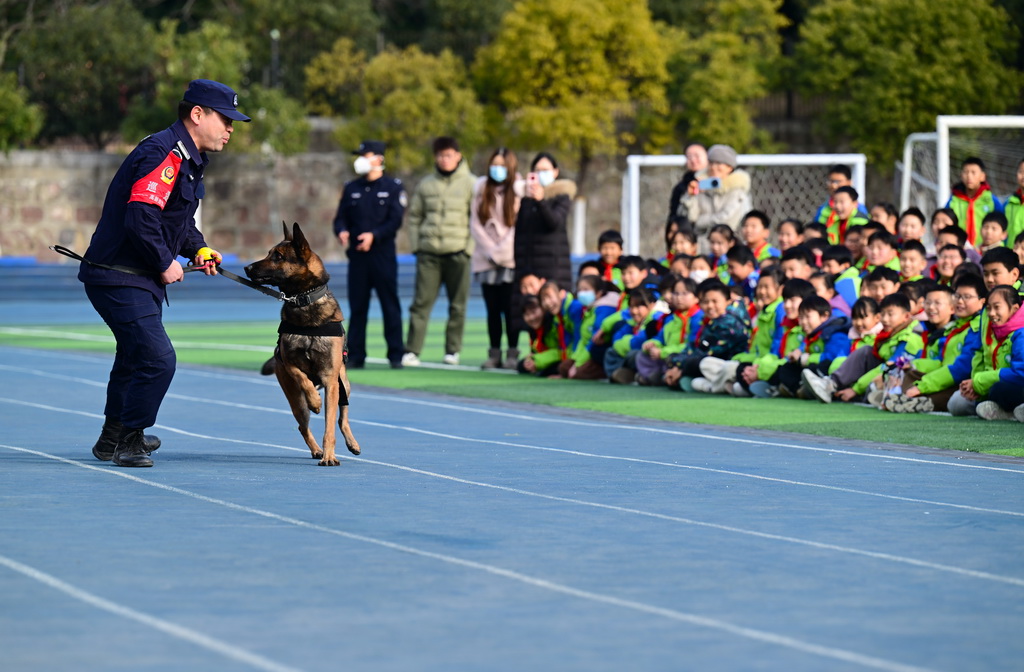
x=495, y=206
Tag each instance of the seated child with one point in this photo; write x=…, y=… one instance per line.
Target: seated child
x=855, y=243
x=1018, y=247
x=999, y=267
x=998, y=385
x=720, y=373
x=628, y=338
x=545, y=349
x=826, y=340
x=590, y=267
x=680, y=265
x=880, y=283
x=815, y=230
x=993, y=231
x=791, y=234
x=609, y=246
x=566, y=313
x=674, y=336
x=598, y=299
x=950, y=257
x=530, y=284
x=759, y=378
x=954, y=319
x=897, y=339
x=913, y=261
x=837, y=261
x=954, y=235
x=825, y=287
x=720, y=239
x=886, y=214
x=635, y=274
x=742, y=269
x=911, y=225
x=701, y=269
x=755, y=227
x=683, y=242
x=882, y=250
x=943, y=218
x=721, y=334
x=798, y=262
x=915, y=292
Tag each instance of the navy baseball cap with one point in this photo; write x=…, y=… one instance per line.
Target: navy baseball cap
x=220, y=97
x=368, y=146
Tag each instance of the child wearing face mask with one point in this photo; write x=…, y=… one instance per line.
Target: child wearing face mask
x=628, y=337
x=597, y=300
x=676, y=332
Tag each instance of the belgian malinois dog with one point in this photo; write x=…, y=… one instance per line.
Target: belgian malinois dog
x=310, y=351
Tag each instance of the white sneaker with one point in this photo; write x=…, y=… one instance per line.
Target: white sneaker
x=876, y=397
x=736, y=390
x=1018, y=413
x=410, y=359
x=823, y=388
x=702, y=385
x=451, y=359
x=990, y=410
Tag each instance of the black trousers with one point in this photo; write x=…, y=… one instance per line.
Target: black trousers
x=144, y=362
x=367, y=272
x=498, y=301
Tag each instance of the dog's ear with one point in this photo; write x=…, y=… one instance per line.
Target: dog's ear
x=299, y=241
x=287, y=232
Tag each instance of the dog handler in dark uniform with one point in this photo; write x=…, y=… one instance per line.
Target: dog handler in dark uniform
x=148, y=220
x=369, y=215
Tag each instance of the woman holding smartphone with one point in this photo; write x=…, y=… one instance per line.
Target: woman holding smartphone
x=542, y=239
x=492, y=220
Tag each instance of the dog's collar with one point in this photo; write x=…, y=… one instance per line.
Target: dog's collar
x=306, y=298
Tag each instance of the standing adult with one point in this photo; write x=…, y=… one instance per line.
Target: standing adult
x=148, y=220
x=696, y=168
x=725, y=203
x=439, y=234
x=542, y=240
x=492, y=220
x=369, y=215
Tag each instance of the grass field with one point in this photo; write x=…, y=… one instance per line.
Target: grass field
x=245, y=345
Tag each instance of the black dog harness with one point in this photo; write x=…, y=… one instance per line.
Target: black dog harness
x=326, y=329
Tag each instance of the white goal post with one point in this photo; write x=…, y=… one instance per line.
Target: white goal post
x=631, y=192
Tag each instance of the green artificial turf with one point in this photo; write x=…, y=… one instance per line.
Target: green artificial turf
x=247, y=345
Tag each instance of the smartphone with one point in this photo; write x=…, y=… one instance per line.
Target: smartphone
x=709, y=183
x=531, y=178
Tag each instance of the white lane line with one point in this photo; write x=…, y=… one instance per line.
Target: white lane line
x=537, y=582
x=877, y=555
x=592, y=424
x=174, y=630
x=565, y=451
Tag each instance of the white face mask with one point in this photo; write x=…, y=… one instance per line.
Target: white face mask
x=362, y=165
x=700, y=276
x=546, y=177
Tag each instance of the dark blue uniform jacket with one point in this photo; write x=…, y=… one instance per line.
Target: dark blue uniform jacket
x=375, y=207
x=149, y=213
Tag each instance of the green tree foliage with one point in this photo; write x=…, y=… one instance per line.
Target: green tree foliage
x=408, y=98
x=84, y=66
x=726, y=55
x=19, y=121
x=573, y=76
x=213, y=52
x=461, y=26
x=334, y=80
x=305, y=29
x=889, y=67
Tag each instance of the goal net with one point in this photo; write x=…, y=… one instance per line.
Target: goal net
x=782, y=185
x=931, y=161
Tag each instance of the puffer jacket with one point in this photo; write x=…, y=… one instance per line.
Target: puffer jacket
x=542, y=239
x=438, y=220
x=725, y=205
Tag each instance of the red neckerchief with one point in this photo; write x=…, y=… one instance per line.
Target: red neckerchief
x=842, y=227
x=608, y=272
x=828, y=222
x=813, y=338
x=949, y=337
x=685, y=318
x=882, y=337
x=563, y=345
x=787, y=324
x=989, y=339
x=538, y=340
x=970, y=207
x=703, y=323
x=669, y=256
x=760, y=248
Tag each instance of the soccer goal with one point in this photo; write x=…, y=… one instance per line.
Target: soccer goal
x=931, y=161
x=782, y=185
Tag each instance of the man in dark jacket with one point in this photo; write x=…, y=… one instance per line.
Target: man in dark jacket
x=148, y=221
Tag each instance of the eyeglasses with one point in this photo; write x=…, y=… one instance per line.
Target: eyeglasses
x=965, y=297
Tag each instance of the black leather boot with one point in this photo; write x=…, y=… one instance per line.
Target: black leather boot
x=111, y=432
x=131, y=450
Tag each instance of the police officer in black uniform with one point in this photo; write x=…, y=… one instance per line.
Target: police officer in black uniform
x=148, y=221
x=369, y=215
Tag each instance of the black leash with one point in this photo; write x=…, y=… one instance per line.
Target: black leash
x=280, y=296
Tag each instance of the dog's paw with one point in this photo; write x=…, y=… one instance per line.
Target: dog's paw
x=317, y=455
x=354, y=448
x=333, y=462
